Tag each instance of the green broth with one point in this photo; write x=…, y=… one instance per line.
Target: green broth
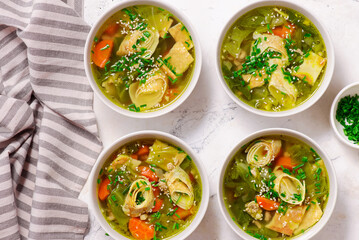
x=112, y=208
x=115, y=81
x=243, y=183
x=249, y=77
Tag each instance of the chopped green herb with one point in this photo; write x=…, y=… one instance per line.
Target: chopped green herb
x=105, y=47
x=269, y=29
x=347, y=115
x=166, y=36
x=147, y=34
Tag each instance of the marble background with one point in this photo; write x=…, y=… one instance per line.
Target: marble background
x=212, y=123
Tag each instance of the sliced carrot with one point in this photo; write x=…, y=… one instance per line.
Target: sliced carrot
x=267, y=204
x=156, y=191
x=172, y=93
x=143, y=150
x=112, y=29
x=103, y=192
x=102, y=53
x=181, y=213
x=148, y=173
x=286, y=162
x=140, y=229
x=284, y=30
x=158, y=205
x=191, y=177
x=134, y=156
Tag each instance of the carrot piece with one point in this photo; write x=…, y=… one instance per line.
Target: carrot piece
x=143, y=150
x=158, y=205
x=112, y=29
x=181, y=213
x=102, y=53
x=140, y=229
x=191, y=177
x=172, y=93
x=103, y=192
x=156, y=191
x=286, y=162
x=285, y=30
x=134, y=156
x=148, y=173
x=267, y=204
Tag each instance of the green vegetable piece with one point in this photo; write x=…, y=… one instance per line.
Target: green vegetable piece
x=165, y=156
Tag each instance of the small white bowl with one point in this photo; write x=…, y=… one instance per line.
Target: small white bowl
x=286, y=132
x=198, y=57
x=327, y=41
x=351, y=89
x=94, y=203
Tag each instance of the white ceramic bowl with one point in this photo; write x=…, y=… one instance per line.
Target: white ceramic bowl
x=94, y=203
x=330, y=56
x=351, y=90
x=286, y=132
x=198, y=57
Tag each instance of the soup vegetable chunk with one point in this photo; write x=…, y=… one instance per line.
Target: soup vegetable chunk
x=273, y=58
x=149, y=189
x=276, y=187
x=143, y=58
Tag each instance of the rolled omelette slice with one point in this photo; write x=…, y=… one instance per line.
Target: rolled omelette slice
x=282, y=90
x=180, y=188
x=311, y=67
x=288, y=222
x=139, y=199
x=150, y=93
x=147, y=39
x=289, y=188
x=274, y=43
x=263, y=151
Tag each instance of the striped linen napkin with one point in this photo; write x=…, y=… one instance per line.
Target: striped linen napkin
x=48, y=131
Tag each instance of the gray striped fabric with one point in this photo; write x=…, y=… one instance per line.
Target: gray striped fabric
x=48, y=132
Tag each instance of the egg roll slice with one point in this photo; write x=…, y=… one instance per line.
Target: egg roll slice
x=165, y=156
x=263, y=152
x=178, y=58
x=286, y=93
x=311, y=217
x=180, y=188
x=311, y=68
x=181, y=34
x=273, y=43
x=287, y=223
x=139, y=199
x=150, y=93
x=136, y=41
x=289, y=188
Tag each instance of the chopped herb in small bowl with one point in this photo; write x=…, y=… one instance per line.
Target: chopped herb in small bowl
x=345, y=115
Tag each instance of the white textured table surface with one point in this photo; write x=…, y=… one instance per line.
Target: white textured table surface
x=212, y=124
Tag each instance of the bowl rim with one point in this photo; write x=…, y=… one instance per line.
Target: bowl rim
x=197, y=48
x=327, y=41
x=307, y=140
x=333, y=110
x=93, y=203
